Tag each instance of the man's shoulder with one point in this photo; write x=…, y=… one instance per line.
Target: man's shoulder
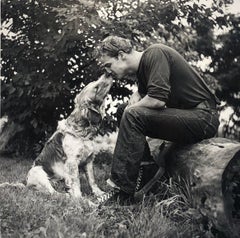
x=158, y=51
x=153, y=50
x=159, y=46
x=156, y=48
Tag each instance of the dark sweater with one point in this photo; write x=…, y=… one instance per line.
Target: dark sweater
x=165, y=75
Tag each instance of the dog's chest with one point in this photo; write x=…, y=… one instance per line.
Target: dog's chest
x=75, y=147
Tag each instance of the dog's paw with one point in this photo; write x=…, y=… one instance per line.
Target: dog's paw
x=98, y=192
x=91, y=204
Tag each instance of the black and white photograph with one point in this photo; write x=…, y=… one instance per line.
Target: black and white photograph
x=120, y=119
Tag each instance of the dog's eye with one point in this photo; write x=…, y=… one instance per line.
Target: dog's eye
x=108, y=65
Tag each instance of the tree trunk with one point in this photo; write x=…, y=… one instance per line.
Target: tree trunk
x=8, y=129
x=212, y=169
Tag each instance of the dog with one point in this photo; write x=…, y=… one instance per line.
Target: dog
x=74, y=144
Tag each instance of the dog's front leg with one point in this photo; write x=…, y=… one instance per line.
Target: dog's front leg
x=72, y=178
x=91, y=179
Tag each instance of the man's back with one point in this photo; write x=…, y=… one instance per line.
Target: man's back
x=166, y=75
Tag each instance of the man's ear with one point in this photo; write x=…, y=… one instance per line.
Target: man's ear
x=121, y=55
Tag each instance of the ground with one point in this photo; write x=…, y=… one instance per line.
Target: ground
x=25, y=212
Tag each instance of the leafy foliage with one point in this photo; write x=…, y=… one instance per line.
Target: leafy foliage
x=37, y=83
x=226, y=63
x=49, y=49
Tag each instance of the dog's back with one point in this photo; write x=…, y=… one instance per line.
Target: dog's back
x=52, y=152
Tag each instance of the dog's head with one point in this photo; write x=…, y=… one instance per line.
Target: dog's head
x=89, y=103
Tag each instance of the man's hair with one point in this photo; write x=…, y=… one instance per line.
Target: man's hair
x=111, y=46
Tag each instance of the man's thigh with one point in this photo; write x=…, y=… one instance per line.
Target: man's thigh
x=177, y=125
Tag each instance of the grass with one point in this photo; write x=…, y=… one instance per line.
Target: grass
x=28, y=213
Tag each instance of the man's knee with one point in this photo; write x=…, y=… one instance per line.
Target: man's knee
x=133, y=112
x=128, y=112
x=133, y=121
x=120, y=111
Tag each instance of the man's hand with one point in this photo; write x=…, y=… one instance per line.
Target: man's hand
x=136, y=97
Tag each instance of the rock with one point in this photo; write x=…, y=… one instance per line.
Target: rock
x=8, y=129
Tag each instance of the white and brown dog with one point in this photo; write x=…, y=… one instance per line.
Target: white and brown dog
x=74, y=144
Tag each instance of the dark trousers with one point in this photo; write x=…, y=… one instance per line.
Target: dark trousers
x=182, y=126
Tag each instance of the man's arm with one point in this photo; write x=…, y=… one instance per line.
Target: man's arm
x=136, y=97
x=149, y=102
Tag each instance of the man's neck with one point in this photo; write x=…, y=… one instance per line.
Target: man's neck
x=136, y=58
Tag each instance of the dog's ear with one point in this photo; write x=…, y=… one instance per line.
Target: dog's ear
x=94, y=116
x=97, y=113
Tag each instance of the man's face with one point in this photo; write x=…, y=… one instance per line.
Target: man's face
x=118, y=66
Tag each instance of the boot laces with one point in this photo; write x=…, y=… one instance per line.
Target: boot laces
x=139, y=179
x=106, y=196
x=140, y=173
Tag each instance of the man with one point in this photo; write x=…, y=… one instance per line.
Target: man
x=172, y=103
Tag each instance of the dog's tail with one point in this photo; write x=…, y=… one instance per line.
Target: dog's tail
x=16, y=185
